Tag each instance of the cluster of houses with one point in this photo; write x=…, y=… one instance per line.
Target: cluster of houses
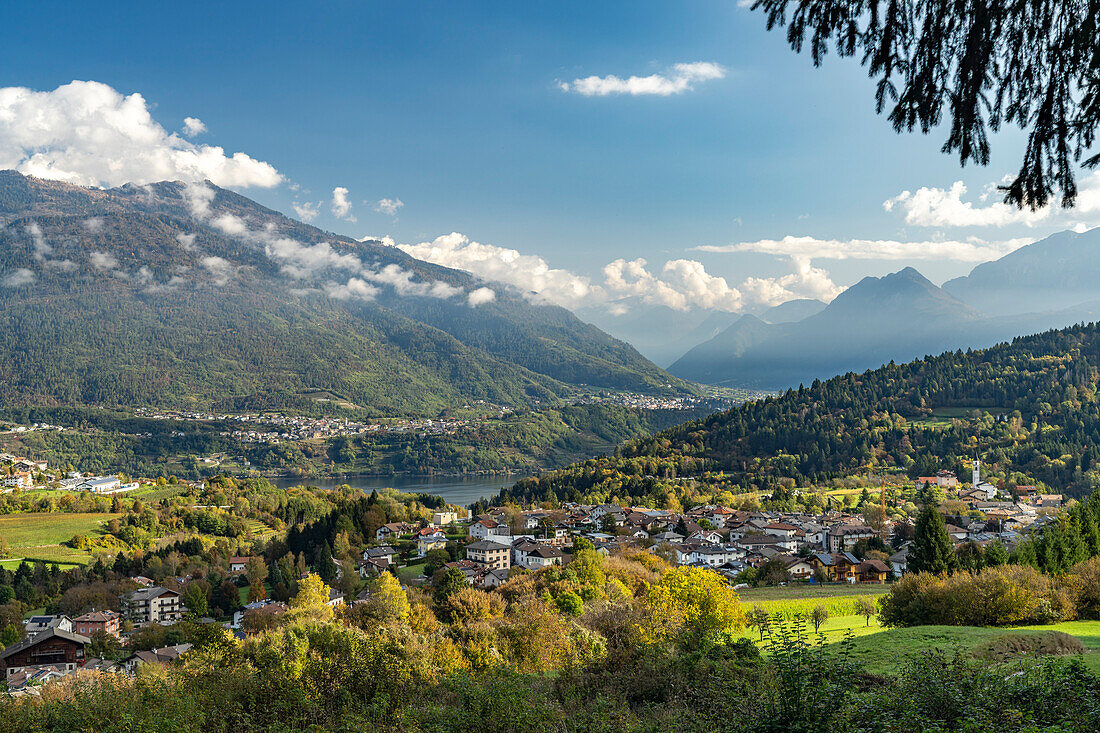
x=811, y=546
x=19, y=471
x=56, y=646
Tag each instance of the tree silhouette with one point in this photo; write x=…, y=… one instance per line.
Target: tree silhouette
x=980, y=64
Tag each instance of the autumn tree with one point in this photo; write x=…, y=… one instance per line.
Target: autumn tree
x=389, y=600
x=867, y=608
x=692, y=605
x=312, y=599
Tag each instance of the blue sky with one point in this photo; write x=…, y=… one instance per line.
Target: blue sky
x=457, y=110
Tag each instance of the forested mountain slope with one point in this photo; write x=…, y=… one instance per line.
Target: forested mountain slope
x=1029, y=408
x=179, y=295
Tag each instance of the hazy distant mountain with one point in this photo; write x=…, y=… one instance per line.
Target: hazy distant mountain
x=792, y=311
x=180, y=295
x=658, y=332
x=1052, y=274
x=898, y=316
x=1053, y=283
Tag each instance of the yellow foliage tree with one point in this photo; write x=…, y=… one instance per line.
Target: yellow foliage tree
x=312, y=600
x=390, y=600
x=691, y=605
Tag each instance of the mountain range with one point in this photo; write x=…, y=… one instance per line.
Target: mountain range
x=175, y=294
x=1049, y=284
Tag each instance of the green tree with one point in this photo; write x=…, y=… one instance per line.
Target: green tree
x=196, y=597
x=451, y=581
x=931, y=551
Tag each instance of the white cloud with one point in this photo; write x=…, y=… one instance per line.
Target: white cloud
x=38, y=241
x=103, y=261
x=354, y=289
x=87, y=133
x=388, y=206
x=481, y=296
x=307, y=212
x=187, y=242
x=221, y=271
x=199, y=196
x=938, y=207
x=174, y=283
x=969, y=250
x=230, y=224
x=680, y=284
x=806, y=281
x=62, y=265
x=529, y=273
x=680, y=78
x=93, y=224
x=193, y=126
x=341, y=207
x=17, y=278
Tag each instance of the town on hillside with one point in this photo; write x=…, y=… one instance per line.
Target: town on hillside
x=139, y=605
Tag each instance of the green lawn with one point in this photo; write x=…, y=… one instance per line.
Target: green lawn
x=802, y=591
x=40, y=535
x=410, y=573
x=881, y=651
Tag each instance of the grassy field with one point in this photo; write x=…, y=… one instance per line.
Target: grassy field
x=408, y=574
x=41, y=535
x=787, y=601
x=883, y=652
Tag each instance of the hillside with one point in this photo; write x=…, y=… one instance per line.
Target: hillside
x=176, y=295
x=1028, y=407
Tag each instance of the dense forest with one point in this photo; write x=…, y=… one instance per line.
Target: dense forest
x=1027, y=408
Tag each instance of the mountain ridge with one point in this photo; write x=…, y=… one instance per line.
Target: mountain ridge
x=168, y=294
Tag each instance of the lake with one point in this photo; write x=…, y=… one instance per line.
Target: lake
x=460, y=490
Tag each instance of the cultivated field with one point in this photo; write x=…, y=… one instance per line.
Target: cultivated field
x=40, y=535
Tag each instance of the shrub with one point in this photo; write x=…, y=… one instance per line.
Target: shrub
x=1009, y=595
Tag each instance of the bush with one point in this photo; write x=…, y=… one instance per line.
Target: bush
x=1010, y=595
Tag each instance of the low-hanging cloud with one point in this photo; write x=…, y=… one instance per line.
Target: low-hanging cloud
x=680, y=78
x=681, y=284
x=87, y=133
x=967, y=250
x=17, y=278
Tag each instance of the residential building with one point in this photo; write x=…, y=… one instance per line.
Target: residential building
x=492, y=554
x=444, y=517
x=156, y=605
x=54, y=646
x=89, y=623
x=425, y=543
x=38, y=624
x=238, y=564
x=393, y=529
x=164, y=655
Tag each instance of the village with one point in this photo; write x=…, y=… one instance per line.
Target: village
x=744, y=547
